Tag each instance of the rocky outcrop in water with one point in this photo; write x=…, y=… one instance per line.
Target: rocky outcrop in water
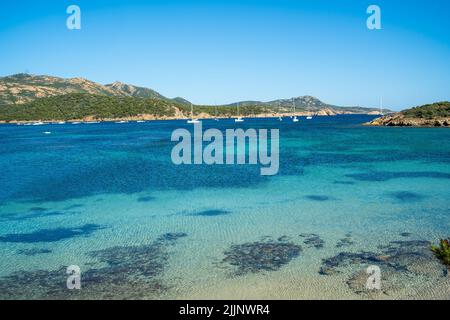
x=129, y=272
x=260, y=256
x=402, y=263
x=398, y=120
x=430, y=115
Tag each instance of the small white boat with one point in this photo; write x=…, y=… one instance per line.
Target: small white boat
x=192, y=120
x=123, y=121
x=61, y=122
x=76, y=122
x=280, y=119
x=47, y=132
x=40, y=123
x=239, y=118
x=140, y=121
x=309, y=117
x=295, y=119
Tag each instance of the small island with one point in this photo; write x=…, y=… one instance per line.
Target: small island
x=430, y=115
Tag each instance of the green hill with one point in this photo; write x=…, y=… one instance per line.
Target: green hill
x=77, y=106
x=81, y=105
x=429, y=111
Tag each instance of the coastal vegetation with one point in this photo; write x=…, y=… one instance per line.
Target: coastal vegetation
x=82, y=105
x=442, y=251
x=98, y=107
x=429, y=111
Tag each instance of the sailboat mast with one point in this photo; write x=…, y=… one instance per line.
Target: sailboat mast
x=381, y=105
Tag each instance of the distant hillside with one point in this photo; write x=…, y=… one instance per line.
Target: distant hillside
x=133, y=91
x=23, y=88
x=25, y=97
x=181, y=100
x=430, y=115
x=308, y=104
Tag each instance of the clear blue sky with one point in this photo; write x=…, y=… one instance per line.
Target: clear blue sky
x=224, y=51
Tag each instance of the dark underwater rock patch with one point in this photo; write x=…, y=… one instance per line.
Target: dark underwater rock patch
x=312, y=240
x=129, y=272
x=211, y=213
x=406, y=234
x=171, y=236
x=344, y=182
x=406, y=196
x=32, y=214
x=346, y=241
x=317, y=198
x=146, y=199
x=51, y=235
x=254, y=257
x=401, y=262
x=343, y=259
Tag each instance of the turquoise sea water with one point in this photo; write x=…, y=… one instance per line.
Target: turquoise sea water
x=107, y=197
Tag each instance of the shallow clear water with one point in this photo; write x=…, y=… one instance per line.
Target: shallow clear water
x=86, y=188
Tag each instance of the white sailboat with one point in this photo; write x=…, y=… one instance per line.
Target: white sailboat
x=239, y=118
x=192, y=120
x=295, y=119
x=381, y=106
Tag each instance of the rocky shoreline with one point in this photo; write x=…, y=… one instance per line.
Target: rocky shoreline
x=400, y=120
